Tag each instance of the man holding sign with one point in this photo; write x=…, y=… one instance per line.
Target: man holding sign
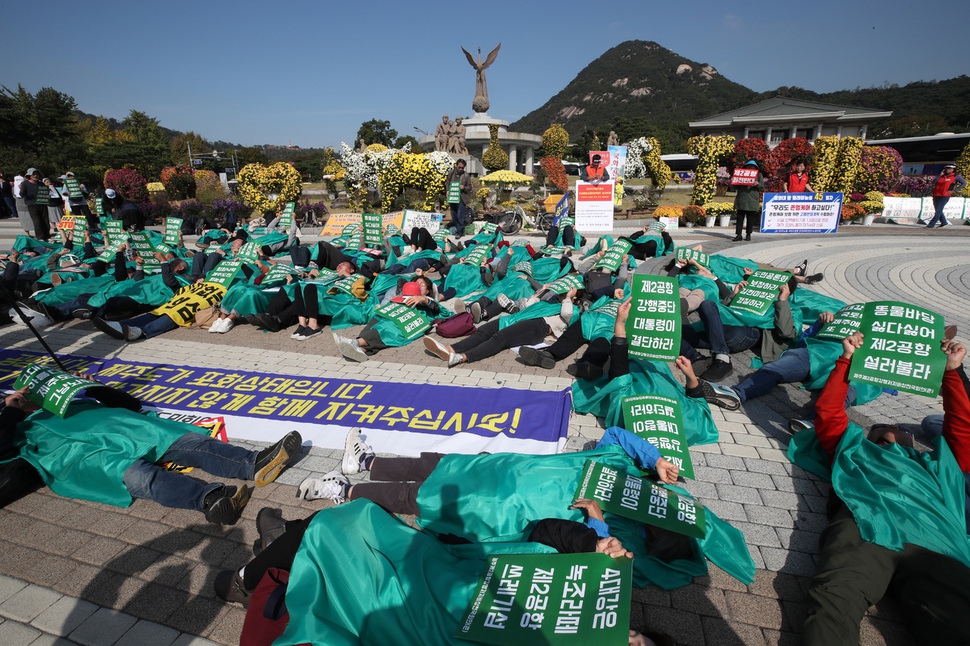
x=900, y=518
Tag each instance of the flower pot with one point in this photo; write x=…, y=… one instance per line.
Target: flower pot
x=710, y=220
x=689, y=225
x=726, y=220
x=868, y=220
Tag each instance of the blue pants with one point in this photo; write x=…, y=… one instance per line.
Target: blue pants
x=717, y=337
x=792, y=365
x=938, y=204
x=145, y=479
x=458, y=217
x=152, y=324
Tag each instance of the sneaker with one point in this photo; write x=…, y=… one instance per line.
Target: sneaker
x=299, y=333
x=719, y=370
x=802, y=268
x=459, y=306
x=82, y=313
x=796, y=425
x=437, y=349
x=309, y=332
x=537, y=357
x=349, y=348
x=216, y=326
x=814, y=278
x=454, y=359
x=355, y=450
x=476, y=310
x=265, y=321
x=944, y=224
x=506, y=304
x=229, y=587
x=585, y=371
x=224, y=505
x=227, y=324
x=332, y=486
x=721, y=396
x=111, y=328
x=271, y=461
x=270, y=526
x=949, y=332
x=132, y=333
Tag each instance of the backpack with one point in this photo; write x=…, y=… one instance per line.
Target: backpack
x=461, y=324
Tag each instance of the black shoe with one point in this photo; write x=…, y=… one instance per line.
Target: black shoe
x=585, y=371
x=802, y=268
x=272, y=460
x=224, y=505
x=230, y=587
x=720, y=395
x=82, y=313
x=115, y=331
x=309, y=332
x=736, y=239
x=718, y=371
x=537, y=357
x=796, y=425
x=270, y=526
x=265, y=321
x=747, y=238
x=814, y=278
x=944, y=224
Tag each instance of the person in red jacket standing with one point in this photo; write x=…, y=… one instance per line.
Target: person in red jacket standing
x=798, y=179
x=945, y=186
x=898, y=517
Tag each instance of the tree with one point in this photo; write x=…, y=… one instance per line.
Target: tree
x=40, y=130
x=179, y=147
x=914, y=125
x=144, y=129
x=377, y=132
x=407, y=139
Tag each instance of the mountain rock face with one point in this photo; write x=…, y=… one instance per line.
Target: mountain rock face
x=638, y=79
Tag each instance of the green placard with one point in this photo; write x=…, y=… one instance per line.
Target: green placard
x=439, y=237
x=631, y=496
x=454, y=192
x=350, y=229
x=524, y=267
x=73, y=187
x=686, y=253
x=286, y=217
x=141, y=242
x=411, y=324
x=279, y=272
x=249, y=252
x=654, y=326
x=115, y=235
x=163, y=248
x=355, y=241
x=173, y=227
x=613, y=258
x=656, y=228
x=107, y=256
x=478, y=255
x=846, y=322
x=659, y=421
x=373, y=230
x=567, y=221
x=760, y=292
x=43, y=195
x=392, y=230
x=554, y=251
x=344, y=285
x=99, y=206
x=489, y=227
x=225, y=272
x=551, y=599
x=901, y=348
x=564, y=284
x=53, y=389
x=609, y=308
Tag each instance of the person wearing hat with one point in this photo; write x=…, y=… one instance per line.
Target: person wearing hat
x=747, y=203
x=947, y=184
x=79, y=204
x=29, y=190
x=898, y=517
x=595, y=172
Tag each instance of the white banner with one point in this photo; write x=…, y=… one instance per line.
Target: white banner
x=594, y=206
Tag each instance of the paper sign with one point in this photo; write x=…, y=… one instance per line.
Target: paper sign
x=613, y=258
x=594, y=206
x=173, y=227
x=373, y=233
x=745, y=176
x=654, y=326
x=454, y=192
x=801, y=213
x=411, y=324
x=761, y=291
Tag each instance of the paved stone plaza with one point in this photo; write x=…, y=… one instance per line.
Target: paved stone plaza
x=73, y=572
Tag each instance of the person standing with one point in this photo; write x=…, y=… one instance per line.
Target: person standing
x=79, y=201
x=22, y=213
x=37, y=197
x=747, y=203
x=595, y=172
x=460, y=207
x=798, y=180
x=945, y=186
x=6, y=192
x=55, y=202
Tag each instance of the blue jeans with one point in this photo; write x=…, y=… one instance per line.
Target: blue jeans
x=792, y=365
x=458, y=217
x=717, y=337
x=145, y=479
x=152, y=324
x=397, y=270
x=938, y=204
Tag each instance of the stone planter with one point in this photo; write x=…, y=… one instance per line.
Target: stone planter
x=726, y=220
x=710, y=220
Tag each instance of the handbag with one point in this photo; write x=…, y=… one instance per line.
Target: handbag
x=461, y=324
x=266, y=616
x=205, y=317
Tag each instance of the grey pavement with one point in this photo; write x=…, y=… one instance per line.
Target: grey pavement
x=85, y=573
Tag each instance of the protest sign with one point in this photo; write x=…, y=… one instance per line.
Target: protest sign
x=616, y=167
x=901, y=348
x=594, y=206
x=225, y=272
x=745, y=176
x=182, y=307
x=286, y=217
x=114, y=231
x=846, y=322
x=99, y=206
x=760, y=292
x=429, y=221
x=551, y=599
x=801, y=213
x=688, y=254
x=279, y=272
x=373, y=230
x=478, y=255
x=553, y=251
x=51, y=388
x=249, y=252
x=653, y=328
x=343, y=285
x=613, y=258
x=73, y=187
x=658, y=420
x=566, y=283
x=632, y=497
x=454, y=192
x=141, y=242
x=411, y=324
x=489, y=228
x=173, y=227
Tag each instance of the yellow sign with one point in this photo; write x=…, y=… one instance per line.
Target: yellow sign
x=182, y=307
x=337, y=221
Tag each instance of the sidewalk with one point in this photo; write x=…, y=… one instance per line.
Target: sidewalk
x=143, y=575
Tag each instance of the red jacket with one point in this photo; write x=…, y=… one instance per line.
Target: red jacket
x=831, y=419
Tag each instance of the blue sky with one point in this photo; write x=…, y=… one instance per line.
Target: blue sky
x=309, y=73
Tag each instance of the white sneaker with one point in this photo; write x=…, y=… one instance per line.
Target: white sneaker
x=349, y=348
x=132, y=333
x=227, y=325
x=459, y=306
x=454, y=359
x=507, y=304
x=437, y=349
x=355, y=449
x=214, y=328
x=331, y=486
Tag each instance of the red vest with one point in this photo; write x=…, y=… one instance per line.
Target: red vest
x=594, y=172
x=943, y=184
x=797, y=184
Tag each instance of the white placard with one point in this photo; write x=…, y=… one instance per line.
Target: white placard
x=594, y=206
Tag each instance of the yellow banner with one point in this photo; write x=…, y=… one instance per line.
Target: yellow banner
x=337, y=221
x=182, y=307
